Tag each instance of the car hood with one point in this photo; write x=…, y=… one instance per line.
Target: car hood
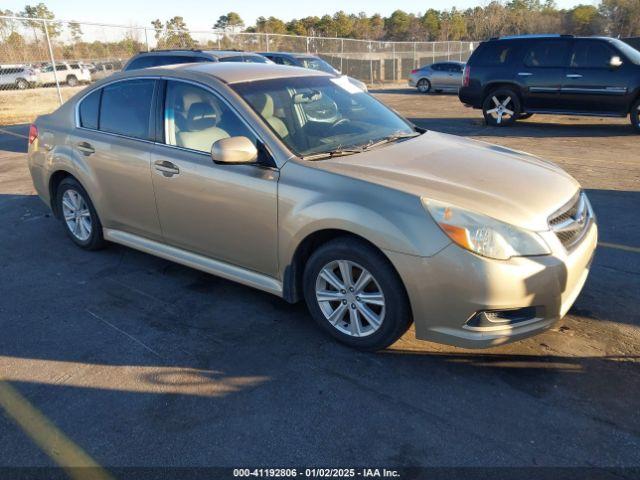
x=510, y=186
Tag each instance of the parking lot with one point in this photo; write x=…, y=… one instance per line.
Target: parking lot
x=137, y=361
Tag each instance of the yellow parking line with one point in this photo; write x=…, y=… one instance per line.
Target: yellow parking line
x=49, y=438
x=619, y=246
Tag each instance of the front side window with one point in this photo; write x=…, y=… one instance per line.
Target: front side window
x=126, y=107
x=196, y=118
x=546, y=54
x=89, y=109
x=314, y=115
x=590, y=54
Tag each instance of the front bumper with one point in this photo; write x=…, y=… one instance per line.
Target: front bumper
x=446, y=290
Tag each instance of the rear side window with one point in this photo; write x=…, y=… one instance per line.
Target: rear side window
x=126, y=107
x=547, y=54
x=89, y=109
x=494, y=54
x=590, y=54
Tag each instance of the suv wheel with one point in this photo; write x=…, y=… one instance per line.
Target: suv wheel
x=501, y=107
x=22, y=84
x=78, y=215
x=635, y=115
x=72, y=80
x=424, y=85
x=355, y=295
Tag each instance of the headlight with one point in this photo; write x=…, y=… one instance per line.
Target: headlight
x=484, y=235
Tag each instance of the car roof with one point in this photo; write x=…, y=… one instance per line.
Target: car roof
x=199, y=53
x=230, y=72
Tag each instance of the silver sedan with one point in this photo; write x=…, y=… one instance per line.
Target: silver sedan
x=442, y=76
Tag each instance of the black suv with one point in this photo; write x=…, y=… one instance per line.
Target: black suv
x=157, y=58
x=514, y=77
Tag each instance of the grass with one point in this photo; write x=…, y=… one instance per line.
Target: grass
x=23, y=106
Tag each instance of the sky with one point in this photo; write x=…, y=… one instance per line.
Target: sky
x=201, y=15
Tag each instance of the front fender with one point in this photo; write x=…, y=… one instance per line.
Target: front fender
x=316, y=200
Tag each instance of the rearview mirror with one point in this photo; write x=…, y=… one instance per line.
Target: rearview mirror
x=615, y=62
x=234, y=150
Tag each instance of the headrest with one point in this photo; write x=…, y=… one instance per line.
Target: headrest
x=201, y=115
x=264, y=105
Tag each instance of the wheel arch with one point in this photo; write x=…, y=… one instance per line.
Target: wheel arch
x=54, y=182
x=294, y=271
x=493, y=86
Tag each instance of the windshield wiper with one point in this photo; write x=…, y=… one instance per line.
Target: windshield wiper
x=390, y=138
x=338, y=152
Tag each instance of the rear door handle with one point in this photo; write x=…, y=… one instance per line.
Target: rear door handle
x=168, y=169
x=574, y=75
x=524, y=74
x=85, y=148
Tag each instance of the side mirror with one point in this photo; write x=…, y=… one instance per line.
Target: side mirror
x=615, y=62
x=234, y=151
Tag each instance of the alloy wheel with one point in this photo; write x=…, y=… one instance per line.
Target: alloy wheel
x=350, y=298
x=423, y=86
x=503, y=110
x=76, y=215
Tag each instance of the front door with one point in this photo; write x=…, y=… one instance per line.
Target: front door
x=224, y=212
x=591, y=84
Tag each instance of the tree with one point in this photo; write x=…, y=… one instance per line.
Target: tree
x=584, y=20
x=270, y=25
x=173, y=34
x=622, y=17
x=431, y=24
x=75, y=30
x=398, y=25
x=40, y=11
x=230, y=21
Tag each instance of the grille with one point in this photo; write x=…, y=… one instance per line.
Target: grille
x=572, y=221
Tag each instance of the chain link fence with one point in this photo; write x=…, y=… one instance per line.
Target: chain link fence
x=44, y=62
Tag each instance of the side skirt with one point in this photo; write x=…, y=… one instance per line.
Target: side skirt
x=193, y=260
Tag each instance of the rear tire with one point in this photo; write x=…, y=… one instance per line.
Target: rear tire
x=424, y=85
x=78, y=215
x=501, y=107
x=635, y=115
x=22, y=84
x=371, y=292
x=72, y=81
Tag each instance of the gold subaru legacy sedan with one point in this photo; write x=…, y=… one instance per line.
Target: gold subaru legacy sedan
x=298, y=183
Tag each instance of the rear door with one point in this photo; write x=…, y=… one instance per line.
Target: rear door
x=114, y=137
x=591, y=84
x=439, y=75
x=541, y=73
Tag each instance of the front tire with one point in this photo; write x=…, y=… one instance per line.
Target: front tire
x=22, y=84
x=635, y=115
x=424, y=85
x=78, y=215
x=354, y=294
x=72, y=81
x=501, y=107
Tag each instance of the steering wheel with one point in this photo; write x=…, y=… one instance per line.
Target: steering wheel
x=342, y=121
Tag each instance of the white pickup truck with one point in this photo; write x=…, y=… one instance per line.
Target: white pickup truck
x=70, y=73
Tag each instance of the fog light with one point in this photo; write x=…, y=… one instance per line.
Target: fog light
x=502, y=318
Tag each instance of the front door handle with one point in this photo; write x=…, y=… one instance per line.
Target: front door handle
x=86, y=148
x=167, y=168
x=574, y=75
x=525, y=74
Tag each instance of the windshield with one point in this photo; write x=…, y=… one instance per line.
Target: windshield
x=313, y=115
x=630, y=52
x=315, y=63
